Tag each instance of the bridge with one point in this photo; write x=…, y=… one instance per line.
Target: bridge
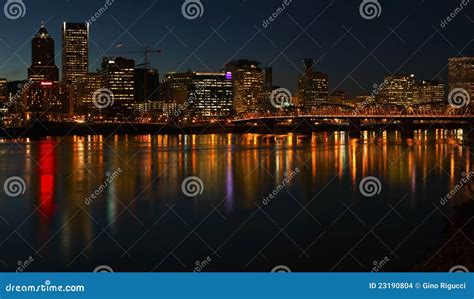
x=357, y=119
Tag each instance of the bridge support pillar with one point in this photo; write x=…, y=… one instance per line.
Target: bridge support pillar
x=407, y=129
x=355, y=127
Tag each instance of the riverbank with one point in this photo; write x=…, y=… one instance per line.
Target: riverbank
x=45, y=129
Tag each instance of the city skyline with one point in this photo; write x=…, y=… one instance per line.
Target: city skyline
x=286, y=67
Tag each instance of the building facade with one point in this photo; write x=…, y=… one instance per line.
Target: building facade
x=398, y=90
x=85, y=90
x=118, y=76
x=429, y=91
x=313, y=87
x=201, y=95
x=42, y=91
x=43, y=67
x=248, y=85
x=75, y=52
x=461, y=74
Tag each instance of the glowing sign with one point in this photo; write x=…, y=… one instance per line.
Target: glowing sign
x=46, y=83
x=228, y=75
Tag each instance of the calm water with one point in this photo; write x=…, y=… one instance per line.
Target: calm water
x=319, y=221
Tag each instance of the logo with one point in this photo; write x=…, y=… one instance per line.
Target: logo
x=281, y=98
x=14, y=186
x=370, y=9
x=192, y=9
x=459, y=98
x=103, y=98
x=281, y=269
x=14, y=9
x=459, y=269
x=192, y=186
x=103, y=269
x=370, y=186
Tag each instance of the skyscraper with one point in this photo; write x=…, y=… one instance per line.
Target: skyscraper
x=248, y=80
x=43, y=75
x=118, y=76
x=429, y=91
x=461, y=74
x=85, y=91
x=3, y=91
x=398, y=90
x=75, y=49
x=208, y=95
x=43, y=67
x=313, y=87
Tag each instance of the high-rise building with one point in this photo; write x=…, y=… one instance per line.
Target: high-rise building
x=208, y=95
x=248, y=81
x=3, y=91
x=75, y=51
x=43, y=67
x=429, y=91
x=86, y=88
x=118, y=75
x=42, y=91
x=147, y=84
x=176, y=87
x=313, y=87
x=268, y=89
x=398, y=90
x=461, y=74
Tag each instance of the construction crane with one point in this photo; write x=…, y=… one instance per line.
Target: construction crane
x=146, y=51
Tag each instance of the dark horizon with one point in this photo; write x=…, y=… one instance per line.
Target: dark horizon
x=418, y=44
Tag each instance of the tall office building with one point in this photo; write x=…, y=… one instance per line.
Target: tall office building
x=118, y=76
x=208, y=95
x=398, y=90
x=461, y=74
x=42, y=92
x=75, y=50
x=248, y=81
x=147, y=84
x=313, y=87
x=85, y=91
x=43, y=67
x=429, y=91
x=3, y=91
x=176, y=87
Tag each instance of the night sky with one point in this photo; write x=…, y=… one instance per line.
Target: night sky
x=355, y=60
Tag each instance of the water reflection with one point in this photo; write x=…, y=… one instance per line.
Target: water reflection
x=237, y=170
